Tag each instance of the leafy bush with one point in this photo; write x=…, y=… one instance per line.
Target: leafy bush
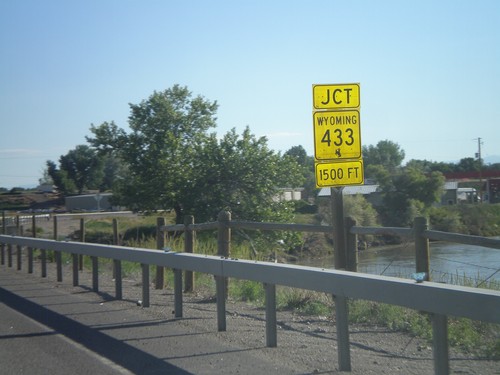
x=474, y=219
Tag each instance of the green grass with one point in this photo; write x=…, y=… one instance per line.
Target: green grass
x=482, y=339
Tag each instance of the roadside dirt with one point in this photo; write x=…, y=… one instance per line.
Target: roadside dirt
x=307, y=344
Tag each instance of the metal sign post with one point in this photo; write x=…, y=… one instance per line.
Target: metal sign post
x=337, y=209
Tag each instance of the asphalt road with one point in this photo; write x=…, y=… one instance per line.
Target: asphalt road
x=51, y=329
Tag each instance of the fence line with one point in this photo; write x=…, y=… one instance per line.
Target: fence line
x=439, y=300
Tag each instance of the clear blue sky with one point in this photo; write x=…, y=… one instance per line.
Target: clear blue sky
x=428, y=70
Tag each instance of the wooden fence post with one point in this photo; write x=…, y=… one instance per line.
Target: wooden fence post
x=188, y=248
x=116, y=238
x=224, y=234
x=351, y=241
x=422, y=257
x=160, y=244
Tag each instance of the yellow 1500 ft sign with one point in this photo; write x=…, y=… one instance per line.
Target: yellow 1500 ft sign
x=337, y=135
x=339, y=173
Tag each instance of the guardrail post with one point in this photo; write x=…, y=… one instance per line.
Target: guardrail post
x=160, y=244
x=4, y=230
x=440, y=344
x=145, y=285
x=220, y=286
x=74, y=258
x=95, y=273
x=178, y=293
x=422, y=262
x=351, y=241
x=188, y=248
x=342, y=324
x=271, y=334
x=117, y=263
x=9, y=255
x=118, y=278
x=57, y=254
x=19, y=257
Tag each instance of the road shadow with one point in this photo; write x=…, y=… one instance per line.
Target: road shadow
x=127, y=356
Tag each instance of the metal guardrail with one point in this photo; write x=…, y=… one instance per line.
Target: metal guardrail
x=440, y=300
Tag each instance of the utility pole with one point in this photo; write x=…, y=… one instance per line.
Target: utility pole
x=478, y=155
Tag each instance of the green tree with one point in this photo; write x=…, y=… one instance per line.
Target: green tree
x=430, y=166
x=60, y=178
x=357, y=207
x=467, y=165
x=385, y=153
x=379, y=174
x=174, y=162
x=83, y=166
x=306, y=163
x=159, y=152
x=114, y=169
x=241, y=174
x=412, y=193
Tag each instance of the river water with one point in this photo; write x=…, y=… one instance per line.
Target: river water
x=450, y=262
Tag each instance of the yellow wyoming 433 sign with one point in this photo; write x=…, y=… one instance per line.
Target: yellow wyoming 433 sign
x=337, y=135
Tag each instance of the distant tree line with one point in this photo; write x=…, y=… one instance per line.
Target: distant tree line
x=170, y=159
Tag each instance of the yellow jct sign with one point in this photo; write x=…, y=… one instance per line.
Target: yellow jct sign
x=339, y=173
x=337, y=135
x=336, y=96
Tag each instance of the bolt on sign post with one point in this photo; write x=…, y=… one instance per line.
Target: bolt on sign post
x=337, y=150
